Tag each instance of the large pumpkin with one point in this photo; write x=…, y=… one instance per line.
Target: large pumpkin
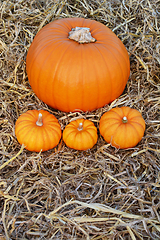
x=122, y=127
x=77, y=64
x=38, y=130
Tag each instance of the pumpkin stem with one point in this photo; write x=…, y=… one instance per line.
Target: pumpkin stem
x=80, y=127
x=39, y=121
x=81, y=35
x=124, y=119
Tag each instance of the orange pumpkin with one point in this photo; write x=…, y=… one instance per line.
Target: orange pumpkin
x=77, y=64
x=80, y=134
x=38, y=130
x=122, y=127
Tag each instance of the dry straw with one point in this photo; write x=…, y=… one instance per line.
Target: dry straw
x=103, y=193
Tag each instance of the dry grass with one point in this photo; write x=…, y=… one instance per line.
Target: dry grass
x=99, y=194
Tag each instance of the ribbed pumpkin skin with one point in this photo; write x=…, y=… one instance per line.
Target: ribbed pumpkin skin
x=119, y=134
x=80, y=140
x=70, y=76
x=37, y=138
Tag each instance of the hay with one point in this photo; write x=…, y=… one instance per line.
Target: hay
x=102, y=193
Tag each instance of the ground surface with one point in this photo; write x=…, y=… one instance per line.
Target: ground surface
x=102, y=193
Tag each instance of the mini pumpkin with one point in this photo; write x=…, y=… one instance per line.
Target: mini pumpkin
x=122, y=127
x=77, y=64
x=38, y=130
x=80, y=134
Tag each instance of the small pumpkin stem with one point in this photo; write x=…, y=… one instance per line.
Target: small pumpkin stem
x=81, y=35
x=124, y=120
x=39, y=121
x=80, y=127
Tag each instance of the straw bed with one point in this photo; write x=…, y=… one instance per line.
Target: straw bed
x=99, y=194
